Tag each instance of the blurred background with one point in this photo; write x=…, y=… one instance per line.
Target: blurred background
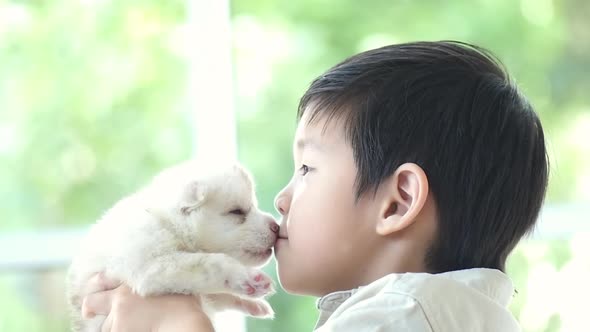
x=96, y=96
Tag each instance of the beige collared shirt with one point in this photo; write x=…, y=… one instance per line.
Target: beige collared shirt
x=473, y=300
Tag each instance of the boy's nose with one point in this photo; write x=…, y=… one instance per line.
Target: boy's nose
x=282, y=204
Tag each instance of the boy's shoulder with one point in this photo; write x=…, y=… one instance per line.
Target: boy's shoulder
x=466, y=300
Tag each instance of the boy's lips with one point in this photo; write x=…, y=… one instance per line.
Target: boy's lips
x=281, y=237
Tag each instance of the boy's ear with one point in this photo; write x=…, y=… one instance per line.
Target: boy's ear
x=404, y=195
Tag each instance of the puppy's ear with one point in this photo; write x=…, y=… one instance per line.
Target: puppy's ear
x=193, y=196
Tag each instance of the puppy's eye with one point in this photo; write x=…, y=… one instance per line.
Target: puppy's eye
x=237, y=212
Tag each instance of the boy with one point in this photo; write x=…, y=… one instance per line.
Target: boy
x=419, y=167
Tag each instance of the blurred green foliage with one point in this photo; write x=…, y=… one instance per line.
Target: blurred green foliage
x=93, y=102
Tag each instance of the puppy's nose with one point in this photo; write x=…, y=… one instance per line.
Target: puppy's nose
x=274, y=226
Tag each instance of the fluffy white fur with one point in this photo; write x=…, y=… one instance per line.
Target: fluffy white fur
x=189, y=231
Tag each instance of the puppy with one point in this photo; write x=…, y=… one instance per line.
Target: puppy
x=189, y=231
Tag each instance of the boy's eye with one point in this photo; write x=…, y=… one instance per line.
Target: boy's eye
x=304, y=169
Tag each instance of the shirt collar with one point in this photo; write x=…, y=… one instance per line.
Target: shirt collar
x=493, y=283
x=328, y=303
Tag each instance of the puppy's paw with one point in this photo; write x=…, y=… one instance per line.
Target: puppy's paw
x=257, y=284
x=253, y=283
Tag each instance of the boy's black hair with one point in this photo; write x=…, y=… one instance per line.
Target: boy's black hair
x=451, y=108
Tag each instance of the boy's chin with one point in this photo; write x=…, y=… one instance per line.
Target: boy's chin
x=293, y=289
x=286, y=280
x=296, y=279
x=296, y=284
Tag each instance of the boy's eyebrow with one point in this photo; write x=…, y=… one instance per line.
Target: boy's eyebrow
x=306, y=143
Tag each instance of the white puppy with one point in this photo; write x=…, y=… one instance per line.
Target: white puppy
x=188, y=231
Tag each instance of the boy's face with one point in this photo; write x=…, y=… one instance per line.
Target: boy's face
x=326, y=237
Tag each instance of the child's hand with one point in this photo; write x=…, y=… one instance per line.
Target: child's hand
x=129, y=312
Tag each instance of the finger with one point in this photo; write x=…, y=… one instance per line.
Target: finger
x=257, y=308
x=97, y=304
x=99, y=282
x=105, y=282
x=107, y=325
